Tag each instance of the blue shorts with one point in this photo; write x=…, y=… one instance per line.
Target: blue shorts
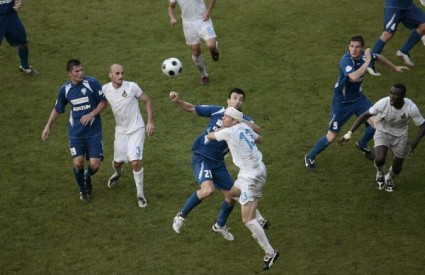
x=12, y=28
x=342, y=112
x=206, y=169
x=411, y=18
x=88, y=147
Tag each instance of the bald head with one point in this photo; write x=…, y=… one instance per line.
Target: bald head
x=116, y=74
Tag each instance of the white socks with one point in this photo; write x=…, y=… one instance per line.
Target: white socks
x=199, y=63
x=260, y=236
x=138, y=179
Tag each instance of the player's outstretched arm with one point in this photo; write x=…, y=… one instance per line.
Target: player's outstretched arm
x=383, y=60
x=359, y=121
x=188, y=107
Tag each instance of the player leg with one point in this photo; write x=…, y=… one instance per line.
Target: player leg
x=17, y=37
x=203, y=177
x=191, y=31
x=337, y=120
x=391, y=21
x=399, y=149
x=209, y=36
x=135, y=153
x=95, y=156
x=414, y=19
x=382, y=143
x=76, y=146
x=362, y=105
x=120, y=157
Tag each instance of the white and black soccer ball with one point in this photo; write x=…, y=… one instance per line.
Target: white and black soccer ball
x=172, y=67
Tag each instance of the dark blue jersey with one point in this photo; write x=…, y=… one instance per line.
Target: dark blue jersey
x=211, y=149
x=399, y=4
x=83, y=98
x=6, y=6
x=345, y=89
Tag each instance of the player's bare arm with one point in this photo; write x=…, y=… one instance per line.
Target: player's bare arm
x=209, y=9
x=188, y=107
x=148, y=103
x=46, y=131
x=356, y=75
x=172, y=13
x=384, y=61
x=359, y=121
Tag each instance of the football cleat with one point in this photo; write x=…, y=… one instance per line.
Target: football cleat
x=389, y=186
x=269, y=260
x=142, y=202
x=205, y=80
x=405, y=58
x=224, y=231
x=380, y=181
x=29, y=71
x=265, y=224
x=367, y=152
x=113, y=180
x=85, y=197
x=178, y=222
x=309, y=163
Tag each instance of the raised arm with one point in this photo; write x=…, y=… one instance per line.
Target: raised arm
x=188, y=107
x=383, y=60
x=357, y=74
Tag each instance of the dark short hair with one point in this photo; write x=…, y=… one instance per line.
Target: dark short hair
x=71, y=64
x=401, y=88
x=237, y=91
x=357, y=38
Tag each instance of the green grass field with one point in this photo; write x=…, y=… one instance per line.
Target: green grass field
x=285, y=55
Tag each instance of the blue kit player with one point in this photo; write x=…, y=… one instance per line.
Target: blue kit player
x=85, y=97
x=12, y=28
x=348, y=98
x=208, y=164
x=412, y=17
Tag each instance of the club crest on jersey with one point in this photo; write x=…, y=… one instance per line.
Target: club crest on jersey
x=404, y=116
x=124, y=94
x=84, y=91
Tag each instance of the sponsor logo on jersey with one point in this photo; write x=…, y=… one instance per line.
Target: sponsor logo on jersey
x=81, y=108
x=79, y=101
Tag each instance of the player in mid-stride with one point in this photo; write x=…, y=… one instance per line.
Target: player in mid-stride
x=84, y=95
x=197, y=25
x=124, y=97
x=391, y=114
x=242, y=140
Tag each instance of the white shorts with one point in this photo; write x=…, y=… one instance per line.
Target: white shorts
x=196, y=30
x=251, y=185
x=129, y=147
x=398, y=145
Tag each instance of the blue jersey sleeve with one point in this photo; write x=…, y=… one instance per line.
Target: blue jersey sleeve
x=207, y=110
x=61, y=100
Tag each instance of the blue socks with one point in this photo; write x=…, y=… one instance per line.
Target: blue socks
x=191, y=203
x=411, y=42
x=379, y=46
x=226, y=209
x=79, y=177
x=23, y=55
x=321, y=145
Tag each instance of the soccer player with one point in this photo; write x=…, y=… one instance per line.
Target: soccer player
x=12, y=28
x=197, y=25
x=84, y=95
x=124, y=97
x=209, y=168
x=396, y=12
x=348, y=98
x=391, y=114
x=242, y=140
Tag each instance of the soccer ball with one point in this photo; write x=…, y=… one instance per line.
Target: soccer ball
x=172, y=67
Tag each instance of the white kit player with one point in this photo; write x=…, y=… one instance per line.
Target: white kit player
x=197, y=25
x=392, y=115
x=123, y=97
x=242, y=140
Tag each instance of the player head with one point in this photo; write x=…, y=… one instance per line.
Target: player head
x=355, y=45
x=116, y=74
x=397, y=94
x=231, y=117
x=75, y=71
x=236, y=98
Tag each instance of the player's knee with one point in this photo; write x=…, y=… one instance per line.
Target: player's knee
x=379, y=161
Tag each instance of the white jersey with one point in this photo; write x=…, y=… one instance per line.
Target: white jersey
x=191, y=9
x=241, y=141
x=125, y=106
x=394, y=121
